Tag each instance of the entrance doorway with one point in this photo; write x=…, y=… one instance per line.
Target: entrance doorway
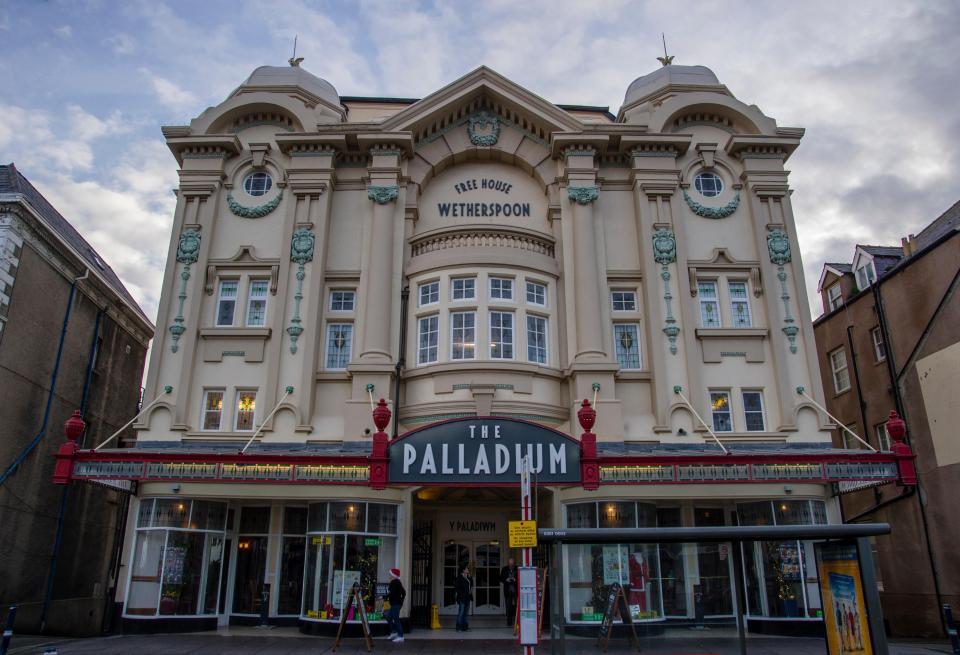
x=484, y=559
x=466, y=526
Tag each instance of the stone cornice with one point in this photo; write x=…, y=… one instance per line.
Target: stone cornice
x=300, y=144
x=561, y=142
x=745, y=146
x=205, y=146
x=655, y=144
x=402, y=141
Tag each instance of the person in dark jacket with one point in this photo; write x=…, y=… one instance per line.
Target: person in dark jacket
x=395, y=595
x=463, y=590
x=508, y=578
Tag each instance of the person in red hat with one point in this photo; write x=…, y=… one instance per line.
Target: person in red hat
x=396, y=594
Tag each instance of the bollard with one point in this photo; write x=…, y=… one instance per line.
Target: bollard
x=8, y=631
x=434, y=617
x=951, y=629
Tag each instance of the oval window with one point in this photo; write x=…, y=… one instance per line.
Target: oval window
x=708, y=184
x=257, y=184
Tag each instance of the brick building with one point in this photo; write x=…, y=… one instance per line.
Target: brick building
x=71, y=337
x=888, y=340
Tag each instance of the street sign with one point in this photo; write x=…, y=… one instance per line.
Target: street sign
x=523, y=534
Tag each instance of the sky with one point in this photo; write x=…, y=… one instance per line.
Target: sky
x=87, y=85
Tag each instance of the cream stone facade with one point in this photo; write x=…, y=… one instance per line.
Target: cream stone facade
x=480, y=258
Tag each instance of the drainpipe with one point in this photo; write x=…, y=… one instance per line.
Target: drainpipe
x=64, y=496
x=856, y=375
x=898, y=402
x=401, y=356
x=53, y=384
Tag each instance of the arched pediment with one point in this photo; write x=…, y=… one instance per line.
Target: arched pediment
x=680, y=112
x=249, y=109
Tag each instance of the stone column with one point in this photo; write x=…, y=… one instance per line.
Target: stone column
x=582, y=191
x=378, y=304
x=373, y=359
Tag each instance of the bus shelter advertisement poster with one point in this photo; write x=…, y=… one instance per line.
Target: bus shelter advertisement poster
x=844, y=606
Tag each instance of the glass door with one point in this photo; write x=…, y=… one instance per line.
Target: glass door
x=455, y=557
x=486, y=577
x=714, y=567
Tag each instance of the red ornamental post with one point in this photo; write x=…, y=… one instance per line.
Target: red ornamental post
x=906, y=460
x=589, y=464
x=378, y=456
x=72, y=429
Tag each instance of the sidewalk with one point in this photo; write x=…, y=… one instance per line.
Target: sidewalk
x=291, y=642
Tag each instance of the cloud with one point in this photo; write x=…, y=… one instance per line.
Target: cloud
x=64, y=31
x=170, y=94
x=121, y=44
x=125, y=212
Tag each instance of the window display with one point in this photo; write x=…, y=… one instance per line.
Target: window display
x=594, y=567
x=348, y=542
x=177, y=559
x=781, y=578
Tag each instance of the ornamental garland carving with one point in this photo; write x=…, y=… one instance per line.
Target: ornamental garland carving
x=778, y=247
x=383, y=194
x=188, y=250
x=301, y=251
x=583, y=195
x=712, y=212
x=301, y=246
x=664, y=247
x=665, y=253
x=253, y=212
x=189, y=247
x=490, y=126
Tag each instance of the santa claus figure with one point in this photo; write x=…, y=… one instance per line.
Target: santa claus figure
x=639, y=578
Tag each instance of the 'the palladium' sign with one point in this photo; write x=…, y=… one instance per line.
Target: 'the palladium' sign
x=483, y=450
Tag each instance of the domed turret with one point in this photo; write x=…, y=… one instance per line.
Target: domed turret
x=643, y=87
x=292, y=76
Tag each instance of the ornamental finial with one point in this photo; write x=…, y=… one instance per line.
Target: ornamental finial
x=666, y=59
x=295, y=60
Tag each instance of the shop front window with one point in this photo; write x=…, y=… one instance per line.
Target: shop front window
x=593, y=568
x=177, y=558
x=781, y=575
x=347, y=543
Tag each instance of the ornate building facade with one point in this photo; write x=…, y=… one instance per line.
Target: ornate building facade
x=484, y=260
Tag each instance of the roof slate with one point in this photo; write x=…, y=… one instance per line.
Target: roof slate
x=13, y=181
x=946, y=222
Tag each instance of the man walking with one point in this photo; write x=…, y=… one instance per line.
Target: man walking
x=508, y=578
x=395, y=595
x=464, y=596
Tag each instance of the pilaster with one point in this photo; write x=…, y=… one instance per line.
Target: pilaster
x=311, y=177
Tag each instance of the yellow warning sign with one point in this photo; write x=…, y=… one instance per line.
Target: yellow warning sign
x=523, y=534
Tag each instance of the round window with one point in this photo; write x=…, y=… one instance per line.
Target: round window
x=257, y=184
x=708, y=184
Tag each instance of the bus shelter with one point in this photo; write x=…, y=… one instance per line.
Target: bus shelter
x=851, y=540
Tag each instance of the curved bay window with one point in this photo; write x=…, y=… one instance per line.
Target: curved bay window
x=177, y=560
x=782, y=575
x=593, y=568
x=348, y=542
